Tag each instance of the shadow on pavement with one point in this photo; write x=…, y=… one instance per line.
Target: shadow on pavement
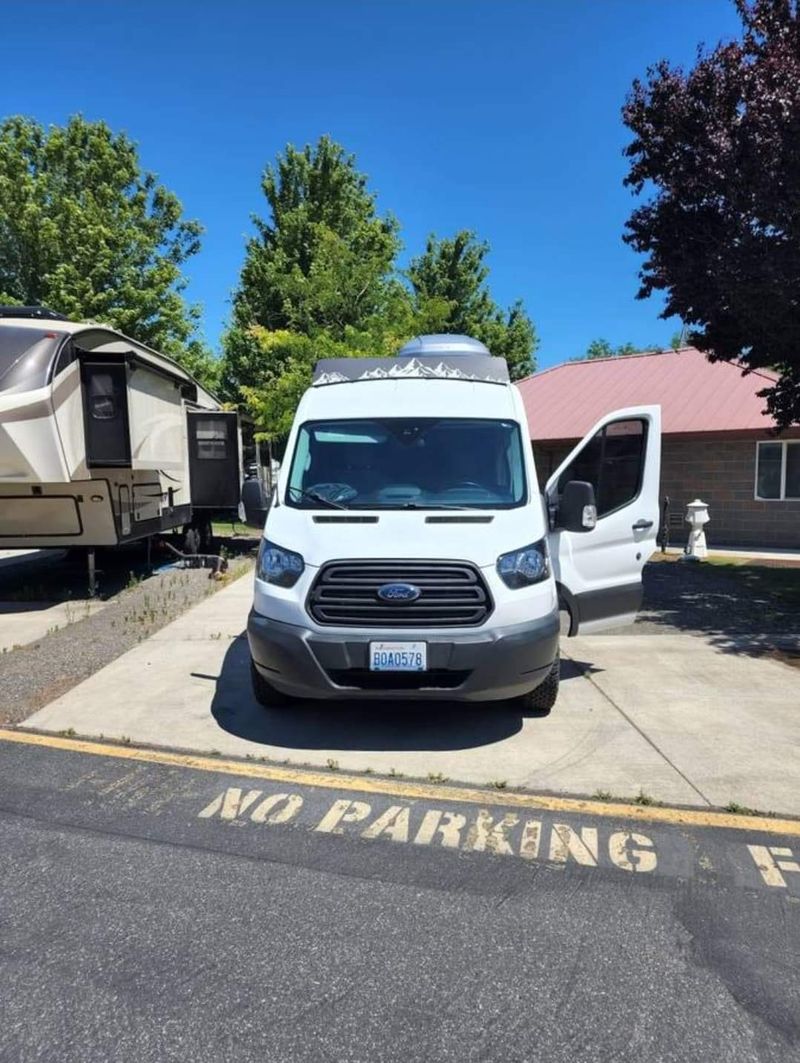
x=361, y=725
x=751, y=609
x=61, y=575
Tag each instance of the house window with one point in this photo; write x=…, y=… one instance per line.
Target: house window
x=778, y=470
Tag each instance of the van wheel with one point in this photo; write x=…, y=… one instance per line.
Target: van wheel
x=543, y=698
x=265, y=693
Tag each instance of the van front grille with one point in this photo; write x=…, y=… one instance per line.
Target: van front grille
x=451, y=594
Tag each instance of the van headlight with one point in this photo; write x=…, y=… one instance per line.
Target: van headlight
x=521, y=568
x=277, y=565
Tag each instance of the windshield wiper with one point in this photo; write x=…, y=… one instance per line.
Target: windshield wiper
x=421, y=506
x=317, y=498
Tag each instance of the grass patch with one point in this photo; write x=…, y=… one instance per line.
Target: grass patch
x=645, y=799
x=743, y=810
x=228, y=530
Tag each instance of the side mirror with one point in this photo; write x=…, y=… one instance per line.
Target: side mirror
x=577, y=508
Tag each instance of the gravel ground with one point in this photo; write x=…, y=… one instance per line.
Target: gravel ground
x=35, y=674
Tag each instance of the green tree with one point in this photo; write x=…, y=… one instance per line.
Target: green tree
x=291, y=357
x=678, y=340
x=451, y=294
x=601, y=348
x=715, y=156
x=321, y=263
x=86, y=232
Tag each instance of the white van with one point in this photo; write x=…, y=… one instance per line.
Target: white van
x=409, y=553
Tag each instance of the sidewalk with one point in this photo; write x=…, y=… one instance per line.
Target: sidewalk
x=674, y=717
x=792, y=556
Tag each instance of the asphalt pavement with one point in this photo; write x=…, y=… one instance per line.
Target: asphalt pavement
x=157, y=907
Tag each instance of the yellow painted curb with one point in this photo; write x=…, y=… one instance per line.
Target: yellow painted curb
x=686, y=817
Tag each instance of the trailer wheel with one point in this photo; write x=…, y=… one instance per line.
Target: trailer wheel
x=265, y=693
x=205, y=536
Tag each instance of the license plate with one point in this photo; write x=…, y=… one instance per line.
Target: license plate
x=398, y=656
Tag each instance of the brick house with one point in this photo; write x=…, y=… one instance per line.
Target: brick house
x=717, y=442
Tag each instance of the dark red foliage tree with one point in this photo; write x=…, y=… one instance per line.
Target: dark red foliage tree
x=719, y=149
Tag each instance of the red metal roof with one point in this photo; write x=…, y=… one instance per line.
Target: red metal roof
x=695, y=395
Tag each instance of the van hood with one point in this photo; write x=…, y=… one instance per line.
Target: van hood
x=479, y=536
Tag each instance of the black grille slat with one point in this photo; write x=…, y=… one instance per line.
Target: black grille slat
x=454, y=594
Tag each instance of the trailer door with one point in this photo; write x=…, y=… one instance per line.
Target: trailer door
x=214, y=471
x=105, y=408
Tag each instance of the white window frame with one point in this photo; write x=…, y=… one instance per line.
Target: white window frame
x=784, y=445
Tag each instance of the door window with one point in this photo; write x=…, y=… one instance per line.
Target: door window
x=612, y=462
x=103, y=404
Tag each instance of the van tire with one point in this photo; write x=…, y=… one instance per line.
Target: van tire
x=265, y=693
x=543, y=698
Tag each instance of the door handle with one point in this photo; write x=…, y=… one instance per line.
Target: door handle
x=642, y=525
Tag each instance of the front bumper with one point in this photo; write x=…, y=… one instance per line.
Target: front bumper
x=478, y=665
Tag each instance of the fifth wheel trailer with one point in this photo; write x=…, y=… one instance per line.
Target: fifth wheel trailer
x=104, y=441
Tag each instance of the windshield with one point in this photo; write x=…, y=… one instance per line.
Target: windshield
x=25, y=357
x=402, y=463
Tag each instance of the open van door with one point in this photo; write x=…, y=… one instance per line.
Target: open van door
x=604, y=511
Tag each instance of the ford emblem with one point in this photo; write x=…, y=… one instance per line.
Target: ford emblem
x=399, y=592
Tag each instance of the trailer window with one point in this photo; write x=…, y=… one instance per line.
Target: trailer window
x=102, y=398
x=25, y=357
x=212, y=439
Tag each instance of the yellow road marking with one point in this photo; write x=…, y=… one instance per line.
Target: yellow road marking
x=687, y=817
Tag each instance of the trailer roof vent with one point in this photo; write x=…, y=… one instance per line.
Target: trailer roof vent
x=42, y=312
x=443, y=345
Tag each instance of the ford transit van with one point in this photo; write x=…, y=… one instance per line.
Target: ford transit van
x=409, y=552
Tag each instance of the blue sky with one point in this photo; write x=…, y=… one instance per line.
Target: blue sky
x=496, y=115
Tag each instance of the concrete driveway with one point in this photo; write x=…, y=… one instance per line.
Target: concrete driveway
x=672, y=716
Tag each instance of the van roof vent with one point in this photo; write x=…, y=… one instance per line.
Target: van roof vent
x=443, y=345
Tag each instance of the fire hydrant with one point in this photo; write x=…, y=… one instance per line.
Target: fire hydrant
x=697, y=517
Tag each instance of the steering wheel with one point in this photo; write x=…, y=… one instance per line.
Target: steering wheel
x=334, y=492
x=466, y=483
